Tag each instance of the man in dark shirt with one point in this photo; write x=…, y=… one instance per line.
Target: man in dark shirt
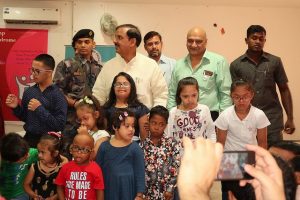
x=265, y=71
x=43, y=107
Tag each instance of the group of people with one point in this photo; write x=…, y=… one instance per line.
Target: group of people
x=117, y=133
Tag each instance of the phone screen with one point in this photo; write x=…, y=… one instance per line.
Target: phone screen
x=232, y=165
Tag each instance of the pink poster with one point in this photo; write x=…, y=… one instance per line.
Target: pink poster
x=18, y=47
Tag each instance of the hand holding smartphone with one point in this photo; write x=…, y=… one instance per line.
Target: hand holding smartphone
x=232, y=165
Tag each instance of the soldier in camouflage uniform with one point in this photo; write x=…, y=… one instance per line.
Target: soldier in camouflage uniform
x=76, y=76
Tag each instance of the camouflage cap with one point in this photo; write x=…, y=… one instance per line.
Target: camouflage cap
x=83, y=33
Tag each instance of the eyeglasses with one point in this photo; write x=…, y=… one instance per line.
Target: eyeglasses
x=84, y=150
x=38, y=71
x=124, y=84
x=244, y=98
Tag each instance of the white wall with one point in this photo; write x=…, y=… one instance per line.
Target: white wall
x=173, y=21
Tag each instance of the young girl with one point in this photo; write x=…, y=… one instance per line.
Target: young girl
x=190, y=118
x=89, y=115
x=162, y=157
x=39, y=182
x=122, y=161
x=123, y=95
x=241, y=124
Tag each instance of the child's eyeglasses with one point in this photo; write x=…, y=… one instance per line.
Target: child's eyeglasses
x=238, y=98
x=124, y=84
x=38, y=71
x=77, y=149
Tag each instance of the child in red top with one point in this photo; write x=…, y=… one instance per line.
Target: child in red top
x=80, y=178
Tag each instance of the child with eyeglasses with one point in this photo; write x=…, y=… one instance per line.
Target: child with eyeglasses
x=123, y=95
x=43, y=107
x=238, y=125
x=122, y=161
x=80, y=178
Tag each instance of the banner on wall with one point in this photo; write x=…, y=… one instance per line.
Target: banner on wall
x=18, y=47
x=107, y=52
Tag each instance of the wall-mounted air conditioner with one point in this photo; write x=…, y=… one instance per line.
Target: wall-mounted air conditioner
x=31, y=15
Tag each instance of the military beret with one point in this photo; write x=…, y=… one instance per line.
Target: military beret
x=83, y=33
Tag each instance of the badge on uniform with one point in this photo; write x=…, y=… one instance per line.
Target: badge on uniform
x=77, y=73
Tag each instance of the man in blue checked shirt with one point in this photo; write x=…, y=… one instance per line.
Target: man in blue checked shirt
x=153, y=45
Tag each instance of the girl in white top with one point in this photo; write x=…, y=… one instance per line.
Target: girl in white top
x=242, y=123
x=190, y=118
x=88, y=112
x=239, y=125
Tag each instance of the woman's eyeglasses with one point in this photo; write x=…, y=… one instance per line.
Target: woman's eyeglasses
x=124, y=84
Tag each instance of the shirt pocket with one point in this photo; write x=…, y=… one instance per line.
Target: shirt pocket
x=78, y=78
x=207, y=82
x=269, y=78
x=141, y=89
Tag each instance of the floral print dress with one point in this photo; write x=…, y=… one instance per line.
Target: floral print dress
x=161, y=166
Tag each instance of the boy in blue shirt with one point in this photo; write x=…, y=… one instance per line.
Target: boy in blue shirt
x=43, y=107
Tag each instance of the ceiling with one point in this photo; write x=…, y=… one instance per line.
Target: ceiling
x=254, y=3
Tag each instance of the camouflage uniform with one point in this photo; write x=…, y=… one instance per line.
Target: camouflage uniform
x=76, y=78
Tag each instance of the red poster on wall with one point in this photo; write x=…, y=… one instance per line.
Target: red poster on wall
x=18, y=47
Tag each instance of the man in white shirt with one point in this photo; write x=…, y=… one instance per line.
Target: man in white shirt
x=151, y=86
x=153, y=45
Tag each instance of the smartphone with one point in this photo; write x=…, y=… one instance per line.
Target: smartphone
x=232, y=165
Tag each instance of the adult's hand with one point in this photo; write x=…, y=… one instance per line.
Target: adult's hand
x=267, y=182
x=289, y=126
x=199, y=167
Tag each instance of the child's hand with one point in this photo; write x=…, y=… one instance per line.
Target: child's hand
x=54, y=197
x=139, y=196
x=11, y=101
x=38, y=197
x=33, y=104
x=168, y=195
x=82, y=130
